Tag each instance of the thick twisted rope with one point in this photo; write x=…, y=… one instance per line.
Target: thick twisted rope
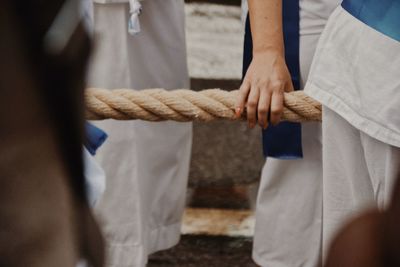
x=185, y=105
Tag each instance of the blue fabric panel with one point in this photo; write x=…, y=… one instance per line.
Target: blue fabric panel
x=382, y=15
x=95, y=137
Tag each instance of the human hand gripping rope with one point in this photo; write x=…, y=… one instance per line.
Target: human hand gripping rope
x=185, y=105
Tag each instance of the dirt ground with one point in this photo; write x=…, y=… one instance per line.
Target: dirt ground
x=206, y=251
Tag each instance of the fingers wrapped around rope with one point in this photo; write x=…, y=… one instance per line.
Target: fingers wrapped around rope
x=185, y=105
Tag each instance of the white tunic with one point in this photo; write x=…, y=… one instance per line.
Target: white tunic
x=356, y=74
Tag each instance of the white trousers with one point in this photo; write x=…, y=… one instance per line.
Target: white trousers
x=359, y=173
x=289, y=203
x=146, y=164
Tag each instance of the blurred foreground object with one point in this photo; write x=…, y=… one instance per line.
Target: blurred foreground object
x=44, y=214
x=371, y=240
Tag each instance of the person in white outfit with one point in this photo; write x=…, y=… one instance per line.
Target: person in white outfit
x=146, y=164
x=288, y=228
x=355, y=75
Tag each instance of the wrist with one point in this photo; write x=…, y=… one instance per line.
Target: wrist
x=268, y=51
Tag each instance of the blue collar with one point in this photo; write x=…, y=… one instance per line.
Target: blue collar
x=382, y=15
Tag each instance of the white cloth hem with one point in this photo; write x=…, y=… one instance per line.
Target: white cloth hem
x=161, y=238
x=363, y=124
x=164, y=237
x=126, y=255
x=261, y=262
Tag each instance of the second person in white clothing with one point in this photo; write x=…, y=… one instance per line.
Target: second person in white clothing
x=146, y=164
x=289, y=205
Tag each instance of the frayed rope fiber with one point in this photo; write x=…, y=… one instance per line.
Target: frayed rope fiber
x=185, y=105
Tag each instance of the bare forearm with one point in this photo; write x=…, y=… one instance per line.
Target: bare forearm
x=266, y=24
x=267, y=77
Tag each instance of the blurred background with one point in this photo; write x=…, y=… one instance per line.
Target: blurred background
x=218, y=224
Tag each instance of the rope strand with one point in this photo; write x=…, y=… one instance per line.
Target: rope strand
x=185, y=105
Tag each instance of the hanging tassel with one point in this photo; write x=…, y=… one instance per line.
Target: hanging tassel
x=135, y=10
